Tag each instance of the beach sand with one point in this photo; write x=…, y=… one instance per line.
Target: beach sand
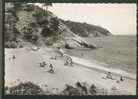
x=25, y=67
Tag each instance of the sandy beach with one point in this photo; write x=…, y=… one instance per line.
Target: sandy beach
x=25, y=67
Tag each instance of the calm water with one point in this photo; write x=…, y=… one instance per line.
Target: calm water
x=116, y=51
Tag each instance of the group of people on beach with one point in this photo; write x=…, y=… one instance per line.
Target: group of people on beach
x=43, y=64
x=12, y=58
x=110, y=76
x=67, y=61
x=67, y=58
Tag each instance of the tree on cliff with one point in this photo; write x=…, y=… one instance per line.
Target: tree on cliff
x=46, y=5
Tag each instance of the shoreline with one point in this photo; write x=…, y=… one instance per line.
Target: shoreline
x=100, y=68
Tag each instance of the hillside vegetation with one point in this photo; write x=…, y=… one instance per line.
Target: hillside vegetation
x=27, y=24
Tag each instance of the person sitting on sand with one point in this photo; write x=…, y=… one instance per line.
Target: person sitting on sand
x=109, y=75
x=121, y=79
x=117, y=81
x=62, y=52
x=41, y=65
x=51, y=68
x=68, y=60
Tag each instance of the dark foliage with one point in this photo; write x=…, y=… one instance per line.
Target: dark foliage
x=29, y=34
x=27, y=88
x=11, y=33
x=11, y=44
x=67, y=46
x=46, y=32
x=93, y=90
x=70, y=90
x=41, y=17
x=47, y=26
x=54, y=24
x=28, y=8
x=80, y=89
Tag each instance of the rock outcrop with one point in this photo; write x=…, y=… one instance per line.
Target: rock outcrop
x=86, y=30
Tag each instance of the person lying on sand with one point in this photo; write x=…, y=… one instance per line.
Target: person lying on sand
x=121, y=79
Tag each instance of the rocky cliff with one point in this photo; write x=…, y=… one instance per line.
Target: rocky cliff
x=86, y=30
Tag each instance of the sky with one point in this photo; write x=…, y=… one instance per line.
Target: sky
x=119, y=19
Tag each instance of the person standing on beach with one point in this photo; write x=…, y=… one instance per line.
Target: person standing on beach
x=13, y=57
x=62, y=52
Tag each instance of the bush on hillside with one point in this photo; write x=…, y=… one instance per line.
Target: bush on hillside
x=54, y=24
x=28, y=8
x=67, y=46
x=11, y=44
x=41, y=17
x=29, y=34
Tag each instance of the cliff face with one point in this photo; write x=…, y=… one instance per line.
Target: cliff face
x=86, y=30
x=26, y=24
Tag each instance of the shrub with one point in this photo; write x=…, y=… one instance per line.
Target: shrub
x=54, y=24
x=70, y=90
x=67, y=46
x=26, y=88
x=80, y=89
x=46, y=32
x=33, y=25
x=93, y=90
x=41, y=17
x=11, y=44
x=28, y=8
x=29, y=34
